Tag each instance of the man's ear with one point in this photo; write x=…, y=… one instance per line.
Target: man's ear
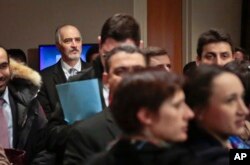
x=105, y=78
x=145, y=116
x=198, y=60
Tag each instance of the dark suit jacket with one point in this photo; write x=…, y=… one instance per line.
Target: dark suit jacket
x=89, y=137
x=52, y=76
x=141, y=152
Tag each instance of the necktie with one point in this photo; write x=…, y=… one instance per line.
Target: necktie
x=4, y=136
x=72, y=72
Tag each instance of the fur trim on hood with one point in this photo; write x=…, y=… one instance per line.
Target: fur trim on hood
x=21, y=71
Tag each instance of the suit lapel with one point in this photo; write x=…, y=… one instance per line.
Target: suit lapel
x=59, y=76
x=14, y=119
x=111, y=126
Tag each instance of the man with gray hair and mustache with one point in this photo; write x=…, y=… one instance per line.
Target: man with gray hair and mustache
x=69, y=42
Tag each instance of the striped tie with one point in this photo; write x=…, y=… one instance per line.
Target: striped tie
x=72, y=72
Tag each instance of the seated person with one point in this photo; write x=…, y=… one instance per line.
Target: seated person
x=215, y=95
x=152, y=118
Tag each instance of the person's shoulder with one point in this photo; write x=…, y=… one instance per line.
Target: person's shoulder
x=90, y=123
x=49, y=69
x=101, y=158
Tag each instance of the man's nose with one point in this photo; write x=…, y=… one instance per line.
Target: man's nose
x=219, y=61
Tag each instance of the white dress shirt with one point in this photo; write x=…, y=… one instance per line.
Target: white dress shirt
x=66, y=68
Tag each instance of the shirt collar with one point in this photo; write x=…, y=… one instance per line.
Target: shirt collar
x=5, y=95
x=66, y=67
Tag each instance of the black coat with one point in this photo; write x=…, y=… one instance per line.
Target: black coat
x=52, y=76
x=135, y=152
x=89, y=137
x=28, y=116
x=57, y=129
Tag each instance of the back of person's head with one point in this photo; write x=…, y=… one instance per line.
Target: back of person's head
x=92, y=51
x=147, y=88
x=238, y=51
x=199, y=88
x=189, y=69
x=242, y=70
x=213, y=36
x=129, y=49
x=152, y=51
x=121, y=27
x=18, y=55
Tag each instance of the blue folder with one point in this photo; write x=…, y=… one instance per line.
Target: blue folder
x=79, y=99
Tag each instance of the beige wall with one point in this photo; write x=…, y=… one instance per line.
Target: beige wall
x=28, y=23
x=200, y=15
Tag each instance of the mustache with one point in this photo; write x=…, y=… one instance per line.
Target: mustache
x=74, y=49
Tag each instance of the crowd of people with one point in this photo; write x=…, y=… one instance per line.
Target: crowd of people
x=150, y=115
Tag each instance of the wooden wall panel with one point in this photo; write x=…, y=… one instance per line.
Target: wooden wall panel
x=165, y=28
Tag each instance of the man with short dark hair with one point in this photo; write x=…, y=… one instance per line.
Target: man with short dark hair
x=119, y=29
x=94, y=134
x=214, y=47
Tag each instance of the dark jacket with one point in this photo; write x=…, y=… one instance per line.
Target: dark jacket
x=57, y=129
x=127, y=151
x=89, y=137
x=137, y=152
x=202, y=145
x=52, y=76
x=29, y=119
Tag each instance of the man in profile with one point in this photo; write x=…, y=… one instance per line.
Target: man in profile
x=214, y=47
x=69, y=42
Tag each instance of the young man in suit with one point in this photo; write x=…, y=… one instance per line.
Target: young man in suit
x=94, y=134
x=117, y=30
x=69, y=42
x=215, y=47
